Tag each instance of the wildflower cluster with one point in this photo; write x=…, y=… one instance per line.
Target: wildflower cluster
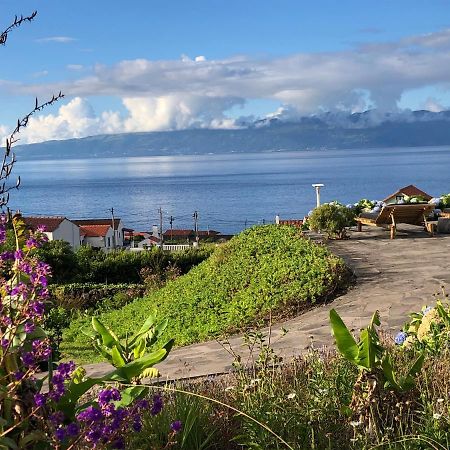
x=428, y=329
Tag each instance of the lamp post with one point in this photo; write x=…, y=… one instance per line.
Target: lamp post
x=317, y=186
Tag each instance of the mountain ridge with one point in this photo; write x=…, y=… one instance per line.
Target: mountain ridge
x=368, y=129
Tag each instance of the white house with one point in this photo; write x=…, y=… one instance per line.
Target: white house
x=98, y=236
x=118, y=236
x=56, y=228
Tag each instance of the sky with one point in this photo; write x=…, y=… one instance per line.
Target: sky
x=150, y=65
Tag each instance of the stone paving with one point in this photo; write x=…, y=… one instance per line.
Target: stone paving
x=393, y=276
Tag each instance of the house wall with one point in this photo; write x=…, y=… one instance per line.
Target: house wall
x=119, y=235
x=105, y=243
x=67, y=231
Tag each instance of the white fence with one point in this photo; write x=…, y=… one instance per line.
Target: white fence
x=175, y=247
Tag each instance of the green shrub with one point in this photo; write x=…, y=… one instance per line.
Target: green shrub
x=83, y=296
x=61, y=258
x=263, y=269
x=332, y=218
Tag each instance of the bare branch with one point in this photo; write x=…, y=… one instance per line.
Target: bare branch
x=9, y=158
x=18, y=21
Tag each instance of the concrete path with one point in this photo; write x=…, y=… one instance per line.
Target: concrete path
x=395, y=277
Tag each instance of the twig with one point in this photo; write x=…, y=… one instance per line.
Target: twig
x=17, y=22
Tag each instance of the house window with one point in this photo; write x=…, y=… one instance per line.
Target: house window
x=109, y=242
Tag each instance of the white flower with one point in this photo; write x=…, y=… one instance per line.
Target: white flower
x=291, y=396
x=437, y=416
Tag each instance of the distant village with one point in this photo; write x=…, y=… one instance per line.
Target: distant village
x=110, y=234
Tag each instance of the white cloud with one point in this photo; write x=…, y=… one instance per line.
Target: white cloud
x=431, y=104
x=58, y=39
x=75, y=67
x=77, y=118
x=173, y=94
x=308, y=82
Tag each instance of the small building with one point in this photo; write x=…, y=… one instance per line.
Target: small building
x=149, y=241
x=409, y=191
x=190, y=236
x=56, y=228
x=97, y=236
x=179, y=235
x=117, y=234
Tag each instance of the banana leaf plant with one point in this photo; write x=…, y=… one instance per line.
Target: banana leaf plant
x=131, y=357
x=370, y=355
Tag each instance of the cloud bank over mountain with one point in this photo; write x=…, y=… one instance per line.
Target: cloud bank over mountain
x=199, y=93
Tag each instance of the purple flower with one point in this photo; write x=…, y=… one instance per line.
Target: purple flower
x=90, y=414
x=18, y=375
x=18, y=254
x=38, y=308
x=31, y=243
x=176, y=426
x=60, y=434
x=137, y=424
x=107, y=395
x=40, y=400
x=72, y=429
x=157, y=405
x=400, y=338
x=5, y=343
x=28, y=359
x=29, y=327
x=57, y=418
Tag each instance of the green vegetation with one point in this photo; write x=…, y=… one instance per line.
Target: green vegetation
x=88, y=265
x=263, y=270
x=332, y=218
x=351, y=399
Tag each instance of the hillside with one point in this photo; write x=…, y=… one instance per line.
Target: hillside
x=363, y=130
x=265, y=268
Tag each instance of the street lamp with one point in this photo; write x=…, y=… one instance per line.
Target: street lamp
x=317, y=186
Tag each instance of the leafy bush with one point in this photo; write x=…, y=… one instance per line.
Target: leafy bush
x=88, y=265
x=332, y=218
x=263, y=269
x=83, y=296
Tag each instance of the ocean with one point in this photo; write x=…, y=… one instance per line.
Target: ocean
x=229, y=191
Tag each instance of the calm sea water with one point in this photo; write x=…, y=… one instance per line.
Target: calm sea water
x=228, y=191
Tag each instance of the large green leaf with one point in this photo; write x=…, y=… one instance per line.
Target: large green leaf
x=344, y=340
x=389, y=374
x=108, y=337
x=131, y=394
x=135, y=368
x=117, y=358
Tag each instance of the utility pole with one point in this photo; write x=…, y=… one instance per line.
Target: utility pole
x=113, y=228
x=171, y=228
x=161, y=227
x=195, y=216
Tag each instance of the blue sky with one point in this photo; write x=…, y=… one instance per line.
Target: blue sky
x=148, y=65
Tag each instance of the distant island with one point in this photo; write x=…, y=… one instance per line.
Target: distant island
x=369, y=129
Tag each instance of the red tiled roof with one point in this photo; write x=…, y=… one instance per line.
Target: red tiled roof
x=94, y=230
x=50, y=223
x=97, y=222
x=203, y=233
x=411, y=191
x=178, y=233
x=293, y=222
